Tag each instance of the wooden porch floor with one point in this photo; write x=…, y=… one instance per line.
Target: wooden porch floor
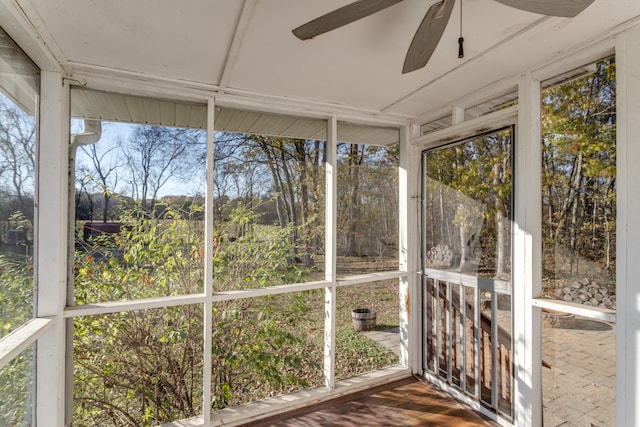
x=402, y=403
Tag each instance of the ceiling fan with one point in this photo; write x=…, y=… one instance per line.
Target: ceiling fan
x=433, y=25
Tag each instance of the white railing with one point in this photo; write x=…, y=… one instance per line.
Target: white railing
x=466, y=345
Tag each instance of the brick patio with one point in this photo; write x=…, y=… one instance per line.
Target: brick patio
x=579, y=374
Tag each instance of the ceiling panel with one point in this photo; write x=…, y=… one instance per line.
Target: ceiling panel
x=186, y=40
x=356, y=66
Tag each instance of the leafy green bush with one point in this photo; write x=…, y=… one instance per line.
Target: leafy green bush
x=144, y=367
x=16, y=381
x=16, y=307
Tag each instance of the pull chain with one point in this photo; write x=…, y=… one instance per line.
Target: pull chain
x=460, y=39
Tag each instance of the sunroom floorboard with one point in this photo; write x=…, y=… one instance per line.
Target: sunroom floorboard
x=407, y=402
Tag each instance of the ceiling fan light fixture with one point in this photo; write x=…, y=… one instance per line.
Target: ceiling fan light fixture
x=432, y=26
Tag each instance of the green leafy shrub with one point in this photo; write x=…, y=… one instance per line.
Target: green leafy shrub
x=16, y=308
x=144, y=367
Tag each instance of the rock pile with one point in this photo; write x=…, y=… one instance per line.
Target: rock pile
x=439, y=256
x=587, y=292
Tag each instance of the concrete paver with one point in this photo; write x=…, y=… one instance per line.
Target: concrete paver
x=389, y=338
x=579, y=386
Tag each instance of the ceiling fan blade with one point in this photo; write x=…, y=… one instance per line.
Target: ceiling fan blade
x=428, y=36
x=340, y=17
x=564, y=8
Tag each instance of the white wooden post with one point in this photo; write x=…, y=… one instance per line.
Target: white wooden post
x=331, y=178
x=51, y=247
x=527, y=257
x=208, y=265
x=628, y=228
x=410, y=315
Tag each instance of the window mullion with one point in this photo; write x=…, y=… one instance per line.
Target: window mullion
x=208, y=266
x=51, y=238
x=330, y=253
x=526, y=255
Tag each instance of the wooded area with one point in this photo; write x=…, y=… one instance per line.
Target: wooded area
x=579, y=180
x=279, y=181
x=468, y=205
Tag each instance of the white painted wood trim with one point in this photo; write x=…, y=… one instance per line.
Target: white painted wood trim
x=208, y=264
x=370, y=277
x=437, y=113
x=495, y=344
x=438, y=327
x=484, y=94
x=579, y=58
x=238, y=38
x=468, y=128
x=134, y=83
x=331, y=212
x=272, y=290
x=484, y=283
x=307, y=286
x=51, y=247
x=408, y=252
x=628, y=228
x=477, y=332
x=526, y=270
x=329, y=361
x=177, y=300
x=139, y=304
x=447, y=330
x=17, y=341
x=463, y=336
x=595, y=313
x=625, y=413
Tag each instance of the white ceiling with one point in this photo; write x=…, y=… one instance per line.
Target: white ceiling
x=247, y=46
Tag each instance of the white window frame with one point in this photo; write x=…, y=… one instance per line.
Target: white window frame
x=332, y=388
x=51, y=247
x=627, y=45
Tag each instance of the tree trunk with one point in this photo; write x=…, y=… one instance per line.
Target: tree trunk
x=500, y=215
x=571, y=199
x=105, y=210
x=466, y=249
x=301, y=157
x=291, y=202
x=317, y=190
x=501, y=243
x=352, y=209
x=271, y=163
